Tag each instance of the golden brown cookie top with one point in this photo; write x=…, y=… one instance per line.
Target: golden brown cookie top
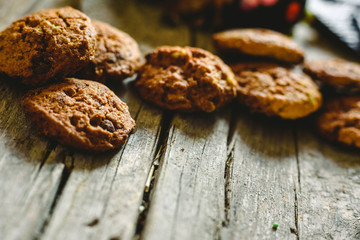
x=48, y=44
x=276, y=90
x=334, y=72
x=79, y=113
x=259, y=42
x=340, y=120
x=117, y=55
x=186, y=79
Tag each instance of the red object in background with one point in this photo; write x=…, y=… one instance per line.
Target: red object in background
x=269, y=2
x=274, y=14
x=248, y=5
x=293, y=11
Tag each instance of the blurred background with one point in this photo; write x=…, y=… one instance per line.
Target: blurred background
x=339, y=19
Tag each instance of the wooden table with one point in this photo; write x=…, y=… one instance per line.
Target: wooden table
x=224, y=175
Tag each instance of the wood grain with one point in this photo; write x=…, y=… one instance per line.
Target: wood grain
x=261, y=179
x=188, y=202
x=329, y=199
x=28, y=188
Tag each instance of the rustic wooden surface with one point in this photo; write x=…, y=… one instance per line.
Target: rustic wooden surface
x=224, y=175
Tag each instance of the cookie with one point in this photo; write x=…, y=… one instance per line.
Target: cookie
x=259, y=42
x=186, y=79
x=340, y=120
x=80, y=113
x=276, y=91
x=334, y=72
x=46, y=45
x=117, y=55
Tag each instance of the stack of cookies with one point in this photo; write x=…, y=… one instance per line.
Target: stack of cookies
x=192, y=79
x=48, y=47
x=339, y=119
x=269, y=84
x=277, y=89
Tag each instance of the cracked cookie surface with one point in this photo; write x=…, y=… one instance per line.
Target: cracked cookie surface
x=117, y=55
x=186, y=79
x=46, y=45
x=80, y=113
x=259, y=42
x=340, y=120
x=334, y=72
x=276, y=90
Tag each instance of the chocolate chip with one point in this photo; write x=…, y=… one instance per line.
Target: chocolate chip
x=69, y=91
x=107, y=125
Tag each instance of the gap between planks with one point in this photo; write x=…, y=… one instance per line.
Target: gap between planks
x=152, y=175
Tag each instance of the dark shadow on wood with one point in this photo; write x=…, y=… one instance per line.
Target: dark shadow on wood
x=269, y=136
x=122, y=87
x=153, y=175
x=198, y=125
x=21, y=140
x=90, y=161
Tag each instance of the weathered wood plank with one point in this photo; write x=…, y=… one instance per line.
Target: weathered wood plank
x=28, y=187
x=261, y=179
x=329, y=199
x=188, y=199
x=103, y=202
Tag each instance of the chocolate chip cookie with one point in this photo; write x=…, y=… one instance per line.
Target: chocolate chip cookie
x=80, y=113
x=48, y=44
x=186, y=79
x=340, y=120
x=259, y=42
x=334, y=72
x=117, y=55
x=275, y=90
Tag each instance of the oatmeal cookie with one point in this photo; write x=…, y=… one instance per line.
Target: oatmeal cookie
x=80, y=113
x=275, y=90
x=186, y=79
x=48, y=44
x=117, y=55
x=259, y=42
x=334, y=72
x=340, y=120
